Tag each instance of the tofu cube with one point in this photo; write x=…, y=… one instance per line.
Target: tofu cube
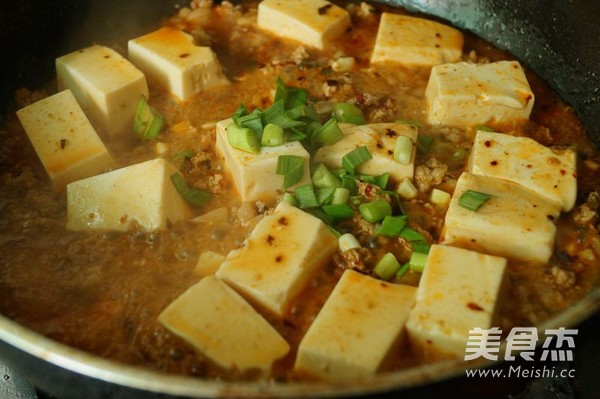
x=220, y=324
x=141, y=193
x=465, y=94
x=458, y=291
x=380, y=139
x=311, y=22
x=106, y=85
x=170, y=57
x=208, y=263
x=411, y=41
x=255, y=175
x=64, y=139
x=515, y=222
x=359, y=327
x=552, y=173
x=276, y=262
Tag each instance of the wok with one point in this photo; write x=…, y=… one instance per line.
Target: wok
x=554, y=38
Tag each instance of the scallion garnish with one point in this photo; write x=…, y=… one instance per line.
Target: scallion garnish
x=375, y=211
x=147, y=123
x=182, y=155
x=306, y=197
x=417, y=262
x=272, y=136
x=403, y=269
x=337, y=212
x=354, y=158
x=240, y=111
x=392, y=226
x=349, y=183
x=420, y=247
x=347, y=242
x=328, y=134
x=387, y=266
x=484, y=128
x=403, y=150
x=356, y=200
x=194, y=196
x=382, y=180
x=473, y=200
x=276, y=114
x=411, y=235
x=424, y=143
x=242, y=138
x=340, y=196
x=252, y=121
x=290, y=199
x=292, y=169
x=348, y=113
x=325, y=195
x=322, y=177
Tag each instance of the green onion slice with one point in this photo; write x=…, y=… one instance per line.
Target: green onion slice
x=194, y=196
x=387, y=266
x=337, y=212
x=354, y=158
x=340, y=196
x=290, y=199
x=322, y=177
x=242, y=138
x=272, y=136
x=421, y=247
x=392, y=226
x=424, y=143
x=403, y=150
x=329, y=134
x=349, y=183
x=292, y=169
x=276, y=114
x=375, y=211
x=147, y=123
x=348, y=113
x=417, y=262
x=325, y=195
x=252, y=121
x=306, y=197
x=411, y=235
x=473, y=200
x=403, y=269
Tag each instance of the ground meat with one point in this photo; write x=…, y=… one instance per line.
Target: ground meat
x=356, y=259
x=430, y=174
x=588, y=212
x=563, y=278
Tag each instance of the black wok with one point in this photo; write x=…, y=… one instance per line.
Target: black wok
x=555, y=38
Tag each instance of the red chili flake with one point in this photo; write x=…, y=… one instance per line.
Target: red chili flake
x=563, y=172
x=63, y=143
x=282, y=220
x=438, y=35
x=494, y=163
x=391, y=133
x=379, y=145
x=279, y=258
x=551, y=218
x=437, y=46
x=323, y=10
x=488, y=143
x=368, y=190
x=270, y=239
x=331, y=82
x=474, y=306
x=184, y=55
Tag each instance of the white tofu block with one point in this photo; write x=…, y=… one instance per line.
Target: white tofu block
x=414, y=41
x=311, y=22
x=255, y=175
x=358, y=328
x=142, y=193
x=465, y=94
x=219, y=323
x=106, y=85
x=64, y=139
x=170, y=57
x=458, y=291
x=551, y=173
x=380, y=139
x=276, y=262
x=515, y=223
x=208, y=263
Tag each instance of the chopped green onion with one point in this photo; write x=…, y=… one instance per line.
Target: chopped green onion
x=417, y=262
x=322, y=177
x=272, y=136
x=242, y=138
x=291, y=96
x=473, y=200
x=356, y=200
x=382, y=180
x=347, y=242
x=194, y=196
x=391, y=226
x=239, y=112
x=403, y=150
x=403, y=269
x=336, y=233
x=296, y=134
x=387, y=266
x=303, y=111
x=355, y=158
x=340, y=196
x=424, y=143
x=348, y=113
x=375, y=211
x=252, y=121
x=290, y=199
x=349, y=184
x=292, y=169
x=420, y=247
x=484, y=128
x=411, y=235
x=325, y=195
x=439, y=197
x=406, y=189
x=329, y=134
x=306, y=197
x=182, y=155
x=147, y=123
x=337, y=212
x=276, y=114
x=367, y=179
x=320, y=214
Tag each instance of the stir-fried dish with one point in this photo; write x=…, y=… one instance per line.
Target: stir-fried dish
x=292, y=190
